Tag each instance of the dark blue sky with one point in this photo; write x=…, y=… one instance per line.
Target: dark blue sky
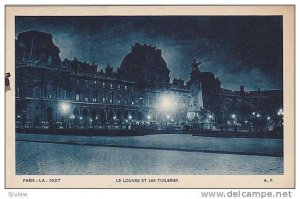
x=240, y=50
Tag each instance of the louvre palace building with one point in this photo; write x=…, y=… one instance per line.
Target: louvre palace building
x=51, y=92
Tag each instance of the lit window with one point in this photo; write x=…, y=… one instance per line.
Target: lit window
x=119, y=86
x=77, y=98
x=132, y=103
x=125, y=87
x=86, y=99
x=103, y=84
x=111, y=86
x=95, y=82
x=103, y=99
x=94, y=99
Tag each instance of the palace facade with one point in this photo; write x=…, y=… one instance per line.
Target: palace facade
x=56, y=93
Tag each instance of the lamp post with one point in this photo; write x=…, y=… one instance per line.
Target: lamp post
x=72, y=117
x=114, y=121
x=280, y=114
x=64, y=108
x=210, y=117
x=168, y=117
x=268, y=123
x=234, y=121
x=130, y=121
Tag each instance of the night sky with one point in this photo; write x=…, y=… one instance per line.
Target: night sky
x=240, y=50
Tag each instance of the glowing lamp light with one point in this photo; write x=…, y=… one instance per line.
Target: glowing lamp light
x=280, y=112
x=167, y=103
x=168, y=116
x=253, y=113
x=18, y=116
x=210, y=116
x=149, y=117
x=246, y=122
x=80, y=118
x=233, y=116
x=64, y=107
x=72, y=117
x=268, y=118
x=258, y=115
x=130, y=117
x=114, y=117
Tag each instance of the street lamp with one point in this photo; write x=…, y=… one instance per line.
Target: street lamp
x=233, y=116
x=210, y=121
x=258, y=115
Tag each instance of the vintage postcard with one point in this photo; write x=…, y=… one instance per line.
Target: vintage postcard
x=150, y=97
